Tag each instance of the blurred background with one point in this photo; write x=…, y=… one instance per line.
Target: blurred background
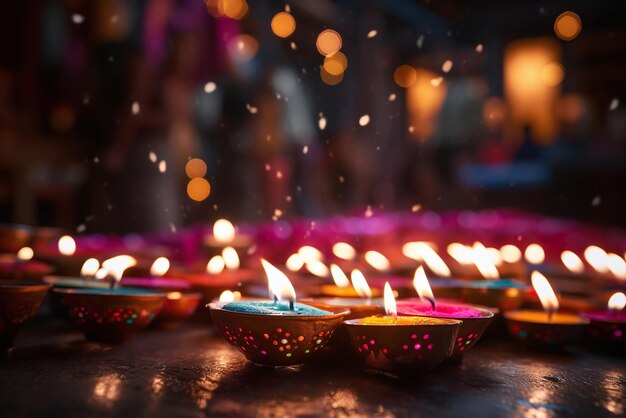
x=136, y=116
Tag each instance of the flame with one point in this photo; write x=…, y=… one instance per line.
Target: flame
x=160, y=266
x=360, y=284
x=616, y=265
x=215, y=265
x=422, y=287
x=116, y=266
x=294, y=262
x=101, y=274
x=617, y=302
x=377, y=260
x=228, y=296
x=483, y=262
x=310, y=254
x=67, y=245
x=223, y=231
x=572, y=262
x=390, y=301
x=90, y=268
x=25, y=254
x=534, y=254
x=340, y=278
x=597, y=258
x=279, y=285
x=461, y=253
x=421, y=251
x=495, y=256
x=174, y=295
x=411, y=250
x=344, y=251
x=231, y=258
x=546, y=295
x=317, y=268
x=510, y=253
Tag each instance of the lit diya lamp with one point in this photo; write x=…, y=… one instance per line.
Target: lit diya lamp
x=425, y=255
x=22, y=266
x=309, y=264
x=608, y=327
x=113, y=314
x=475, y=319
x=508, y=260
x=180, y=303
x=225, y=235
x=18, y=303
x=548, y=327
x=279, y=332
x=402, y=344
x=63, y=256
x=608, y=271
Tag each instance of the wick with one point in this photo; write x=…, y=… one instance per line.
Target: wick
x=275, y=299
x=550, y=313
x=433, y=306
x=291, y=307
x=112, y=283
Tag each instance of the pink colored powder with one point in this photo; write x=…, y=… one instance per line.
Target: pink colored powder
x=441, y=311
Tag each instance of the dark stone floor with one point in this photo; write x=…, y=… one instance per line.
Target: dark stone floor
x=190, y=371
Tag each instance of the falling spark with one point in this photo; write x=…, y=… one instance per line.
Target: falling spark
x=341, y=179
x=279, y=174
x=305, y=150
x=479, y=48
x=411, y=129
x=77, y=18
x=152, y=157
x=436, y=81
x=293, y=46
x=447, y=66
x=278, y=212
x=251, y=108
x=210, y=87
x=368, y=212
x=81, y=228
x=287, y=8
x=392, y=97
x=416, y=208
x=135, y=108
x=596, y=201
x=322, y=122
x=364, y=120
x=420, y=41
x=162, y=166
x=371, y=34
x=614, y=104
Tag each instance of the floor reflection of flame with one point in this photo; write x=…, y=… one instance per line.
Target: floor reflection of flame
x=107, y=388
x=614, y=397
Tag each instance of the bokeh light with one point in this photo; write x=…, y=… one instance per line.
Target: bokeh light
x=330, y=79
x=198, y=189
x=195, y=168
x=405, y=76
x=328, y=42
x=336, y=64
x=552, y=74
x=567, y=26
x=233, y=9
x=242, y=47
x=283, y=24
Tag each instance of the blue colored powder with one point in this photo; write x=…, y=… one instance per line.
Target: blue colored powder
x=497, y=284
x=271, y=308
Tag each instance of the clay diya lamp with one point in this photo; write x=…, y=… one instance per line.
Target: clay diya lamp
x=548, y=328
x=475, y=320
x=18, y=303
x=402, y=345
x=280, y=332
x=180, y=302
x=13, y=237
x=113, y=314
x=224, y=235
x=22, y=266
x=607, y=329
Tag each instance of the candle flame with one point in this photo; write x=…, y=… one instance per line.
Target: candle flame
x=344, y=251
x=215, y=265
x=377, y=260
x=340, y=278
x=597, y=258
x=294, y=262
x=317, y=268
x=484, y=262
x=616, y=265
x=231, y=258
x=67, y=245
x=360, y=284
x=116, y=266
x=174, y=295
x=390, y=301
x=279, y=285
x=90, y=268
x=510, y=253
x=572, y=262
x=495, y=256
x=25, y=254
x=310, y=254
x=422, y=287
x=159, y=267
x=223, y=231
x=228, y=296
x=420, y=250
x=617, y=302
x=461, y=253
x=534, y=254
x=545, y=292
x=101, y=274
